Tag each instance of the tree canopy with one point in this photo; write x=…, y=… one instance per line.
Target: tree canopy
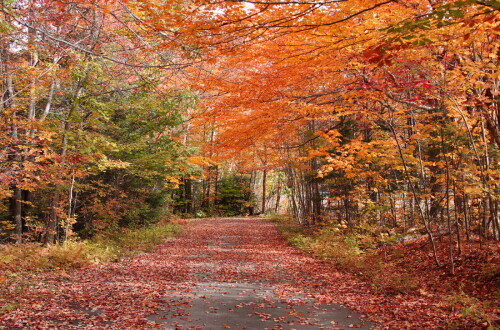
x=374, y=113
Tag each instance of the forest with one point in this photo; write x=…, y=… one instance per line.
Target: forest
x=372, y=120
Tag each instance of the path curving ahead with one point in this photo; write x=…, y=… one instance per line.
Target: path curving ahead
x=223, y=273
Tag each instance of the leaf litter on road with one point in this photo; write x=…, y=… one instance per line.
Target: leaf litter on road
x=229, y=267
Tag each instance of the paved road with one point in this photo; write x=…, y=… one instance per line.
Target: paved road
x=241, y=275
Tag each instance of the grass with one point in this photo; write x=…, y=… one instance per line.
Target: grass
x=104, y=248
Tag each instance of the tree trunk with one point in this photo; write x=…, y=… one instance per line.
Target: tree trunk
x=425, y=221
x=51, y=228
x=188, y=196
x=264, y=177
x=278, y=196
x=16, y=209
x=448, y=220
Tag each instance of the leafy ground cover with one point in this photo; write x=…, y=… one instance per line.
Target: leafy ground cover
x=20, y=262
x=106, y=247
x=128, y=294
x=393, y=268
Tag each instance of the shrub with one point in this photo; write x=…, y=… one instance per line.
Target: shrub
x=469, y=307
x=103, y=248
x=352, y=251
x=301, y=242
x=384, y=278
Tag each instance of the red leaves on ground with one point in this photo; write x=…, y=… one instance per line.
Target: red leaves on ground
x=244, y=250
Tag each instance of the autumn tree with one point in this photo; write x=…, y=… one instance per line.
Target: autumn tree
x=390, y=103
x=86, y=109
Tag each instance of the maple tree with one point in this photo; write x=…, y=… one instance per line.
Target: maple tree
x=357, y=102
x=380, y=110
x=373, y=117
x=373, y=109
x=88, y=119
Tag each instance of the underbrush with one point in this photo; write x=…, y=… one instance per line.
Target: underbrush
x=20, y=263
x=394, y=267
x=104, y=248
x=352, y=252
